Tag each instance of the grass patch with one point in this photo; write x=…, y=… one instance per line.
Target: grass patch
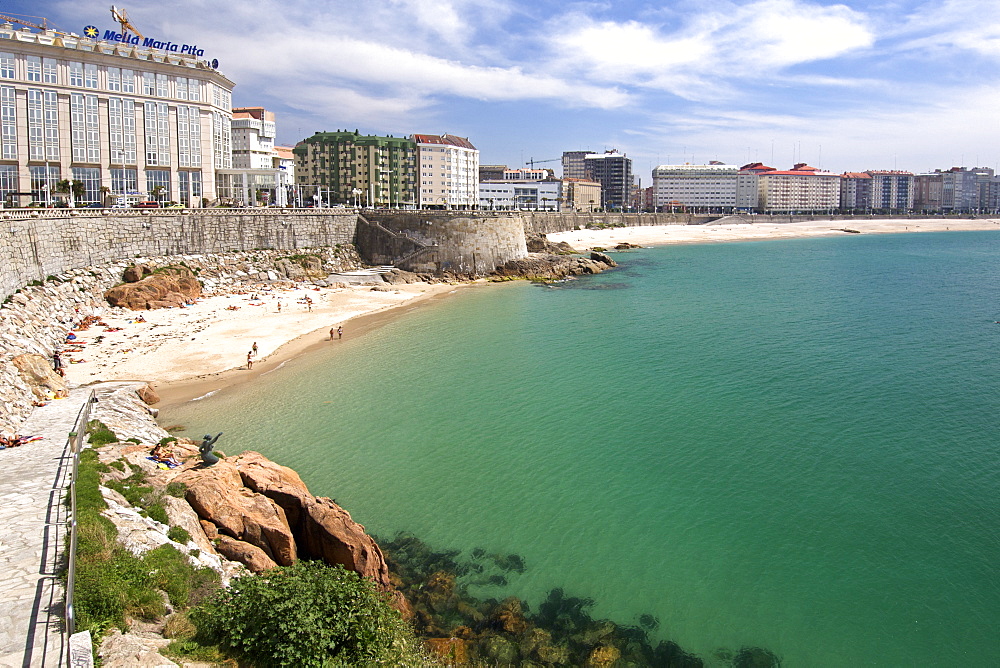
x=112, y=585
x=100, y=434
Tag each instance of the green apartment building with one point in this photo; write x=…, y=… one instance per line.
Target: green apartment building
x=354, y=169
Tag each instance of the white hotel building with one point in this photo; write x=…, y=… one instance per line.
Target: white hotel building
x=115, y=116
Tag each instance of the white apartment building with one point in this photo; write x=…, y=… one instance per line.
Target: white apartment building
x=126, y=120
x=254, y=131
x=262, y=174
x=802, y=188
x=708, y=186
x=520, y=195
x=448, y=168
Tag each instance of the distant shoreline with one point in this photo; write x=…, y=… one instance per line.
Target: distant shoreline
x=661, y=235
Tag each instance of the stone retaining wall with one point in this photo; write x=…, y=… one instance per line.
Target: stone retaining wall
x=33, y=248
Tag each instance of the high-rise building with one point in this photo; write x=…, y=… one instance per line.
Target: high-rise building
x=928, y=191
x=748, y=185
x=128, y=121
x=254, y=131
x=573, y=166
x=614, y=172
x=855, y=191
x=891, y=191
x=711, y=186
x=351, y=168
x=492, y=172
x=449, y=172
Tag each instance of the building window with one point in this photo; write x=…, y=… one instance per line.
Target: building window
x=43, y=125
x=76, y=74
x=90, y=76
x=85, y=131
x=8, y=181
x=157, y=134
x=158, y=178
x=50, y=74
x=188, y=136
x=90, y=177
x=182, y=88
x=114, y=79
x=121, y=130
x=8, y=123
x=43, y=182
x=6, y=65
x=35, y=68
x=162, y=85
x=128, y=81
x=222, y=141
x=194, y=90
x=190, y=188
x=124, y=182
x=148, y=83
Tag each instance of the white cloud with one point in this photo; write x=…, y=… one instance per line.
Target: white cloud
x=756, y=39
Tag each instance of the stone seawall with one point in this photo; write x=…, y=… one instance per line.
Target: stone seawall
x=467, y=242
x=34, y=246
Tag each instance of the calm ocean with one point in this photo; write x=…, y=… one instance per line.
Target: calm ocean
x=787, y=444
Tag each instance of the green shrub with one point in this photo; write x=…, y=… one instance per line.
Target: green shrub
x=309, y=614
x=179, y=535
x=167, y=439
x=100, y=434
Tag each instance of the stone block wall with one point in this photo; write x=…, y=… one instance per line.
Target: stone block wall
x=35, y=246
x=549, y=223
x=461, y=242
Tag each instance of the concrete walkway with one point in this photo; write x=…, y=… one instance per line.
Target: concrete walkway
x=33, y=531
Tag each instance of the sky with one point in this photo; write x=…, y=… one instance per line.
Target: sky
x=846, y=86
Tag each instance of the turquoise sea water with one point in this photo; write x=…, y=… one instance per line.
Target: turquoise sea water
x=787, y=444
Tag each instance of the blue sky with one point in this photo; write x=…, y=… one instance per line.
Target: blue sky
x=845, y=86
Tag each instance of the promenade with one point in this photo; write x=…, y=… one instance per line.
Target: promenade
x=33, y=483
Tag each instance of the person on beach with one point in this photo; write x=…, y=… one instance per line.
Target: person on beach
x=332, y=330
x=279, y=306
x=57, y=364
x=340, y=332
x=254, y=349
x=249, y=360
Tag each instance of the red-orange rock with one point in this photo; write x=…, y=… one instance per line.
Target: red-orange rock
x=169, y=286
x=148, y=394
x=249, y=555
x=217, y=494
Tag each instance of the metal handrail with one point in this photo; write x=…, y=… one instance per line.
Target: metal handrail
x=75, y=444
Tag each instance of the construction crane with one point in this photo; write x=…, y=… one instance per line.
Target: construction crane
x=121, y=16
x=532, y=162
x=44, y=25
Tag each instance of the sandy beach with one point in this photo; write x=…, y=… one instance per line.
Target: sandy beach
x=192, y=351
x=187, y=352
x=759, y=231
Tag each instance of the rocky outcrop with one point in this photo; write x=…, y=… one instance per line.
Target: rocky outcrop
x=148, y=395
x=250, y=500
x=167, y=287
x=38, y=375
x=539, y=243
x=217, y=494
x=547, y=267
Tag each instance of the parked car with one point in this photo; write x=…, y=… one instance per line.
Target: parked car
x=146, y=205
x=94, y=205
x=174, y=206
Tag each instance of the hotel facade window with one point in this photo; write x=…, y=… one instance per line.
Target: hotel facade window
x=8, y=122
x=6, y=65
x=128, y=116
x=8, y=181
x=90, y=177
